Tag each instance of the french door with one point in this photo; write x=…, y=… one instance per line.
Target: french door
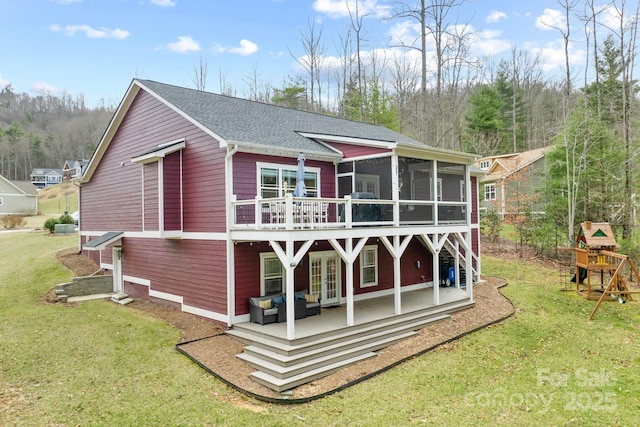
x=324, y=272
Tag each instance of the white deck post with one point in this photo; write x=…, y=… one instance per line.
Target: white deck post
x=349, y=274
x=469, y=265
x=290, y=286
x=397, y=294
x=436, y=272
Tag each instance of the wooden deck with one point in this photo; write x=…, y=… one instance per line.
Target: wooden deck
x=366, y=311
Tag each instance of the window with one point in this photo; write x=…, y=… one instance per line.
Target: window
x=463, y=191
x=369, y=266
x=272, y=278
x=485, y=164
x=490, y=192
x=277, y=180
x=368, y=184
x=439, y=191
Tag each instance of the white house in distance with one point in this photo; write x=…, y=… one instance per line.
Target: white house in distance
x=18, y=197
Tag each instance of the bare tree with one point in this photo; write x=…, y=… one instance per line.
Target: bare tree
x=567, y=6
x=355, y=19
x=199, y=76
x=312, y=62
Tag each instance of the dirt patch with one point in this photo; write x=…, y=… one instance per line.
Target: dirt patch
x=206, y=343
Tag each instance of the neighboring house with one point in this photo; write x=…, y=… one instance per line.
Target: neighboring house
x=513, y=180
x=18, y=197
x=73, y=168
x=43, y=178
x=188, y=200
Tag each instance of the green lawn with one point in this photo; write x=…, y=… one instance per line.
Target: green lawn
x=102, y=364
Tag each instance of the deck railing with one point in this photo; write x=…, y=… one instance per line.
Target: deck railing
x=290, y=213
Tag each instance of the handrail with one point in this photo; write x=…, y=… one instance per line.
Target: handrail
x=321, y=212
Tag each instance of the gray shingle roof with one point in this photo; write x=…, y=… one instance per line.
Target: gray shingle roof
x=243, y=121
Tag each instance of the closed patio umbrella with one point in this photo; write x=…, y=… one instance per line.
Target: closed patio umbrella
x=301, y=188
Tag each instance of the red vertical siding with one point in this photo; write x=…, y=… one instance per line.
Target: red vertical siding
x=193, y=269
x=349, y=150
x=151, y=222
x=112, y=199
x=172, y=197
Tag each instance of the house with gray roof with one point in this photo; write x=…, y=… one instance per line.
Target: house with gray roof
x=317, y=241
x=43, y=177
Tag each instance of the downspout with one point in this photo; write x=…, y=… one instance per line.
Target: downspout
x=77, y=184
x=231, y=278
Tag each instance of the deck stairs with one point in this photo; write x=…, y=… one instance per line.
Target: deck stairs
x=283, y=364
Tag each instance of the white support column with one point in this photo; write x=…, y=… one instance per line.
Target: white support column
x=397, y=292
x=469, y=265
x=395, y=190
x=290, y=293
x=349, y=252
x=436, y=274
x=456, y=263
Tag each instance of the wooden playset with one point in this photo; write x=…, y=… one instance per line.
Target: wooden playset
x=596, y=258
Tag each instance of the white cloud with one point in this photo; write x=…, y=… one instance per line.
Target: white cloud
x=163, y=3
x=246, y=48
x=340, y=8
x=184, y=44
x=92, y=33
x=550, y=19
x=495, y=16
x=44, y=88
x=488, y=43
x=552, y=55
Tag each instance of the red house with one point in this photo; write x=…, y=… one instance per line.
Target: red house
x=193, y=200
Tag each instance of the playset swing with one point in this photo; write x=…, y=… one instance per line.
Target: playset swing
x=596, y=257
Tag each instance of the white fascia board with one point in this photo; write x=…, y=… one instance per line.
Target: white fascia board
x=162, y=151
x=244, y=147
x=110, y=132
x=221, y=140
x=350, y=140
x=431, y=153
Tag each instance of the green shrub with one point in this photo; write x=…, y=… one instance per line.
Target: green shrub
x=66, y=219
x=13, y=221
x=50, y=224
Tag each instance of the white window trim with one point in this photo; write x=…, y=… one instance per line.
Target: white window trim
x=492, y=185
x=362, y=266
x=264, y=256
x=280, y=167
x=371, y=179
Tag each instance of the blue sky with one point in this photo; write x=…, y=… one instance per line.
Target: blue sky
x=95, y=47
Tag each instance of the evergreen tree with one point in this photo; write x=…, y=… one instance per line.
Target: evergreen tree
x=484, y=121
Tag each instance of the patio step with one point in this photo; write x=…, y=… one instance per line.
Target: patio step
x=282, y=384
x=302, y=354
x=288, y=347
x=283, y=364
x=326, y=358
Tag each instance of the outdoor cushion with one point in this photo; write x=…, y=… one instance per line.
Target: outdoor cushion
x=311, y=297
x=266, y=304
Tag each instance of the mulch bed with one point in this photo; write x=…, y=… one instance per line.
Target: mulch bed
x=205, y=342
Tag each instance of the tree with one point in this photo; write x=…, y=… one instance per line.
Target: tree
x=312, y=62
x=199, y=77
x=291, y=95
x=484, y=121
